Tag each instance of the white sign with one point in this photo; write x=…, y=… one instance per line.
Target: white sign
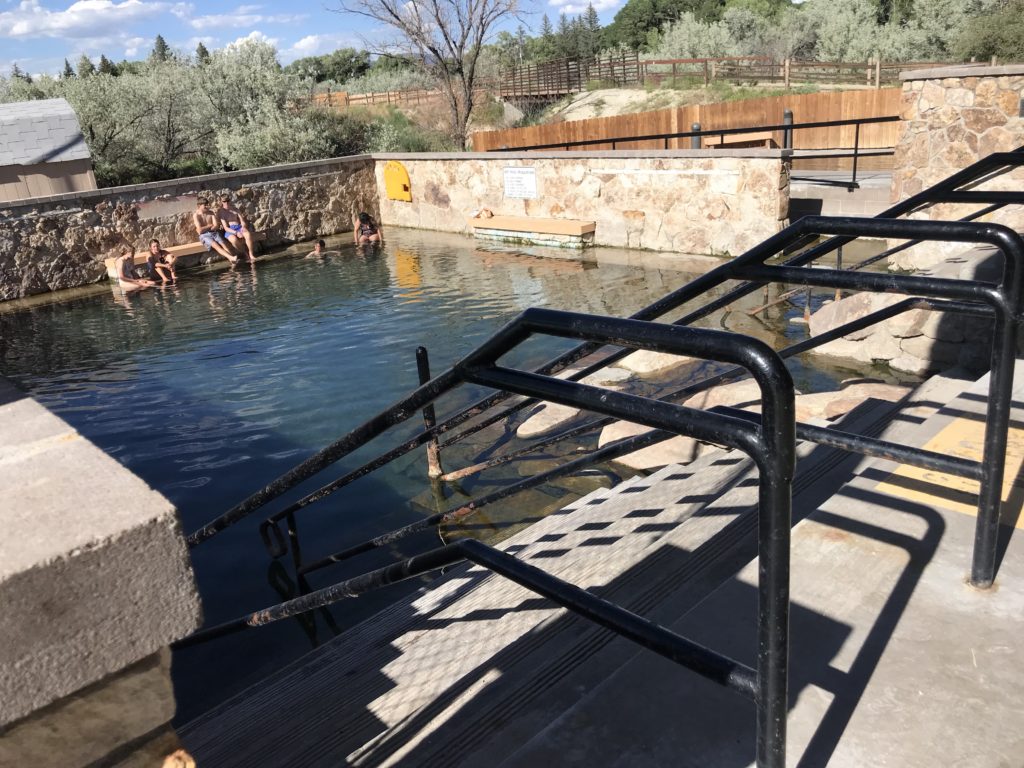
x=521, y=183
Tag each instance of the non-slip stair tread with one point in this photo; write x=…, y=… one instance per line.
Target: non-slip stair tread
x=894, y=660
x=366, y=684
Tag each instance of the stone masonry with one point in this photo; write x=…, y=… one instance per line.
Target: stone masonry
x=952, y=117
x=50, y=243
x=699, y=202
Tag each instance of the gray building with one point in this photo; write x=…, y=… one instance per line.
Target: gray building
x=42, y=150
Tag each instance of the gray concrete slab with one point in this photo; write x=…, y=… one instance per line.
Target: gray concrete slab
x=94, y=572
x=392, y=691
x=895, y=660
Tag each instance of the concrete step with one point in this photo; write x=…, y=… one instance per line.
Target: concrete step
x=398, y=687
x=894, y=659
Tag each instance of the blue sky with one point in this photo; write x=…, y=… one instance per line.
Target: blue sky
x=39, y=34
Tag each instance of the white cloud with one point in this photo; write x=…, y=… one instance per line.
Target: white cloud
x=255, y=36
x=573, y=7
x=314, y=45
x=133, y=45
x=82, y=19
x=244, y=16
x=193, y=42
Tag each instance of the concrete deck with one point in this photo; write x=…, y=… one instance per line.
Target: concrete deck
x=86, y=590
x=895, y=660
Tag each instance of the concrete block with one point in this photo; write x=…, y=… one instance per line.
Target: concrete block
x=94, y=571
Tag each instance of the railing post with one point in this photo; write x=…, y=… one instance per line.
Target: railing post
x=434, y=469
x=707, y=74
x=787, y=134
x=695, y=140
x=997, y=422
x=839, y=265
x=856, y=147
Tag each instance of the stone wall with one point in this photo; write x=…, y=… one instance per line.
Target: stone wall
x=705, y=201
x=952, y=117
x=49, y=243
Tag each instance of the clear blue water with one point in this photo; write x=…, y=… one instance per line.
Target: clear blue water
x=210, y=389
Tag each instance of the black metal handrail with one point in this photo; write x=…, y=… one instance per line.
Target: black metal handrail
x=722, y=132
x=786, y=127
x=770, y=443
x=327, y=456
x=1001, y=301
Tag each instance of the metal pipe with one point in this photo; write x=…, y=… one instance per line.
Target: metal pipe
x=607, y=453
x=714, y=666
x=434, y=469
x=787, y=133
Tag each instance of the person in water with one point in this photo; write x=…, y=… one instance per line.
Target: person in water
x=235, y=227
x=209, y=231
x=318, y=249
x=160, y=263
x=127, y=276
x=367, y=230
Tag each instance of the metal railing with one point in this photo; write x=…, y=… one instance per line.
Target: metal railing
x=770, y=444
x=1002, y=302
x=697, y=135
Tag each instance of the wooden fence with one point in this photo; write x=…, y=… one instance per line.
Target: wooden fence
x=807, y=108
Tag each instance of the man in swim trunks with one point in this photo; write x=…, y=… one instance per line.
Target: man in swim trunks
x=160, y=263
x=127, y=277
x=236, y=228
x=209, y=231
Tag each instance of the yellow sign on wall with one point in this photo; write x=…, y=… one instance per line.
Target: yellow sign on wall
x=396, y=181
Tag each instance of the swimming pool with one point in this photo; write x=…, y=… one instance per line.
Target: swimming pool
x=210, y=389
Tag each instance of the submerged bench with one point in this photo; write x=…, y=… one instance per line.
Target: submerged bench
x=562, y=233
x=188, y=249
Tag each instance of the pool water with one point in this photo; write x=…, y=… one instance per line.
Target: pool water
x=212, y=388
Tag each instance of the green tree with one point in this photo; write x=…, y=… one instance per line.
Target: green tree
x=345, y=64
x=161, y=50
x=636, y=18
x=106, y=67
x=18, y=74
x=68, y=71
x=202, y=54
x=85, y=66
x=998, y=32
x=547, y=47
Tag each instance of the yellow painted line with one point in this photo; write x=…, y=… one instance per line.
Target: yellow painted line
x=963, y=438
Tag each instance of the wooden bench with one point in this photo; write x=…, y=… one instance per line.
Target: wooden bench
x=742, y=140
x=563, y=233
x=189, y=249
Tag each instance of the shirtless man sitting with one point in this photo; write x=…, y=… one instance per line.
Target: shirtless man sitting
x=127, y=277
x=161, y=263
x=235, y=227
x=209, y=231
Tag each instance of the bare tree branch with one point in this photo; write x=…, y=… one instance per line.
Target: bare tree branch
x=446, y=36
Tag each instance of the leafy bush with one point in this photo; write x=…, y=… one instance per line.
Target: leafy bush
x=378, y=80
x=394, y=132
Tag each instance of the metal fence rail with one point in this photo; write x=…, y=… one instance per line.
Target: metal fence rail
x=770, y=443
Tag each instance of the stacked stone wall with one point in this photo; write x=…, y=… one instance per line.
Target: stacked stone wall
x=698, y=202
x=51, y=243
x=953, y=117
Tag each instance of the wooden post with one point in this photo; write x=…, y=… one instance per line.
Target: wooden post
x=707, y=74
x=878, y=72
x=785, y=72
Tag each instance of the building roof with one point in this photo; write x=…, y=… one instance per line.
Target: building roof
x=45, y=131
